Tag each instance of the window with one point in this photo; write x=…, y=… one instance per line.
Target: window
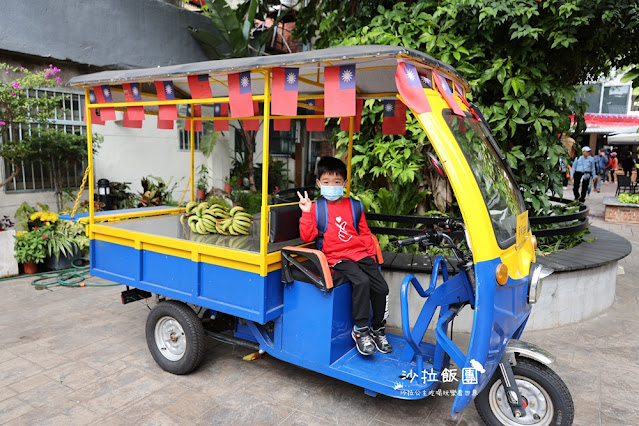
x=184, y=138
x=36, y=176
x=282, y=144
x=615, y=99
x=592, y=96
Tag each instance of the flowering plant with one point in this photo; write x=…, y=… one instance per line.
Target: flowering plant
x=6, y=223
x=30, y=246
x=43, y=218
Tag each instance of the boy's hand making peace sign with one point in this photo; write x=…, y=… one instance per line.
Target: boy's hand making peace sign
x=305, y=203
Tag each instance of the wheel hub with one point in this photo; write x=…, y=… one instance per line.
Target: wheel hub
x=170, y=338
x=538, y=405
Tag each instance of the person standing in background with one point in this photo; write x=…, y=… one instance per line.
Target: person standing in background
x=583, y=170
x=614, y=166
x=601, y=162
x=628, y=164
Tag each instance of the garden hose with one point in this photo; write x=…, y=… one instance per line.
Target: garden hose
x=73, y=277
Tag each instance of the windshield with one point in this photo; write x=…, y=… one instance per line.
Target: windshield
x=500, y=192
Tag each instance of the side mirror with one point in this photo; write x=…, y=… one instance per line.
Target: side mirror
x=436, y=164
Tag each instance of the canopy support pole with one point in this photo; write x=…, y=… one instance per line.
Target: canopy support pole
x=349, y=168
x=87, y=112
x=192, y=143
x=265, y=166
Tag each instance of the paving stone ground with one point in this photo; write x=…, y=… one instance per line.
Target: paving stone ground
x=77, y=356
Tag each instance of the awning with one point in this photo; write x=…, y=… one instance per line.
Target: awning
x=624, y=139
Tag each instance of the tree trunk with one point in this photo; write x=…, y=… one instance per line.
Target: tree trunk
x=16, y=171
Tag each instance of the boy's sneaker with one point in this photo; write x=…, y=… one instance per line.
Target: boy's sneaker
x=380, y=340
x=363, y=340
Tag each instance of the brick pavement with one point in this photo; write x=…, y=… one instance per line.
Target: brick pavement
x=77, y=356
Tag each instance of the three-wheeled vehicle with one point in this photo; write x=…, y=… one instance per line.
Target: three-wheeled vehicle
x=278, y=293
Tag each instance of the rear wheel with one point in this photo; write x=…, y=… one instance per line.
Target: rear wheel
x=175, y=337
x=546, y=397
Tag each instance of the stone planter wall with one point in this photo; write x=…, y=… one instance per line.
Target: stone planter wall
x=8, y=264
x=620, y=212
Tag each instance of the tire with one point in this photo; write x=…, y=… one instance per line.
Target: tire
x=175, y=337
x=548, y=399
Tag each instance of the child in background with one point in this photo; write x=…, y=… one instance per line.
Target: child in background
x=349, y=250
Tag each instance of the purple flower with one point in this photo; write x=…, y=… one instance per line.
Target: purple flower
x=6, y=72
x=16, y=85
x=58, y=80
x=2, y=123
x=13, y=93
x=50, y=65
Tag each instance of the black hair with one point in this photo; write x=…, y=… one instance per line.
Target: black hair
x=331, y=166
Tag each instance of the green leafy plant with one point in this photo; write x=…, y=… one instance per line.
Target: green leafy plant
x=202, y=181
x=156, y=192
x=24, y=212
x=628, y=198
x=30, y=246
x=121, y=196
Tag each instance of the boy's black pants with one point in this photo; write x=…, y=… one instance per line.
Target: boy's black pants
x=369, y=288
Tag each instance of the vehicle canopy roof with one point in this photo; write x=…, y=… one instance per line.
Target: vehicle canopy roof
x=375, y=66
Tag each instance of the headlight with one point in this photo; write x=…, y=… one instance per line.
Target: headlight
x=537, y=273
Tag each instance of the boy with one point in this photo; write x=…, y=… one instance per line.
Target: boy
x=349, y=251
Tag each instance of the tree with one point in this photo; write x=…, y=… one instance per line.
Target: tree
x=17, y=109
x=524, y=61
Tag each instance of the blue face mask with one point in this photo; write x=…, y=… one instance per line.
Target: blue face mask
x=332, y=193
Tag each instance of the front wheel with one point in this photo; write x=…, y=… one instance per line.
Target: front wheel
x=546, y=397
x=175, y=337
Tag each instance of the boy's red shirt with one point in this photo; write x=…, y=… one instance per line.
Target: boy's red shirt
x=341, y=240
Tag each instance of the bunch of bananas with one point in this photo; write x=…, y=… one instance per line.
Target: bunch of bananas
x=205, y=218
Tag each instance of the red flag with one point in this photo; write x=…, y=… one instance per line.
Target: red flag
x=285, y=90
x=345, y=123
x=252, y=124
x=444, y=89
x=410, y=87
x=199, y=86
x=198, y=123
x=315, y=124
x=127, y=122
x=221, y=110
x=95, y=112
x=394, y=117
x=102, y=96
x=166, y=92
x=240, y=95
x=282, y=124
x=339, y=91
x=165, y=124
x=132, y=93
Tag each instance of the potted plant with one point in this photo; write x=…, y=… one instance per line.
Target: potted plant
x=202, y=182
x=8, y=265
x=30, y=248
x=227, y=185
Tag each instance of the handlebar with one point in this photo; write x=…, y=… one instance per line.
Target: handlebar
x=435, y=237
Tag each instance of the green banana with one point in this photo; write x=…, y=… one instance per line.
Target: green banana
x=200, y=228
x=192, y=226
x=192, y=219
x=205, y=204
x=190, y=205
x=236, y=209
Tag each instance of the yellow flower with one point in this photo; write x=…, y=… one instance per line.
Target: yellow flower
x=20, y=233
x=35, y=216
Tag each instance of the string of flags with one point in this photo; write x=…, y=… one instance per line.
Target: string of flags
x=340, y=100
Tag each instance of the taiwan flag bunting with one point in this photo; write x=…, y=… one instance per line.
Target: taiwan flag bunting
x=132, y=93
x=221, y=110
x=410, y=87
x=166, y=92
x=462, y=96
x=127, y=122
x=285, y=89
x=103, y=96
x=315, y=124
x=394, y=117
x=444, y=89
x=240, y=95
x=251, y=124
x=425, y=80
x=199, y=86
x=339, y=91
x=345, y=123
x=96, y=118
x=282, y=124
x=197, y=123
x=165, y=124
